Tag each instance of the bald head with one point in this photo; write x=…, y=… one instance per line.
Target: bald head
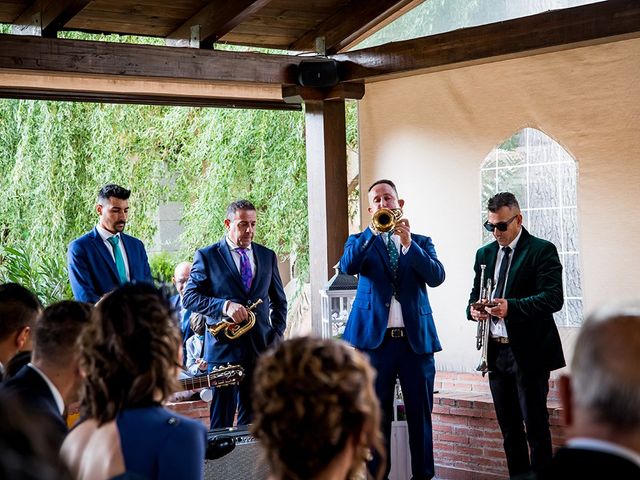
x=605, y=376
x=181, y=275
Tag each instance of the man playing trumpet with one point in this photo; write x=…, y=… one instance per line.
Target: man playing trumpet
x=524, y=345
x=391, y=319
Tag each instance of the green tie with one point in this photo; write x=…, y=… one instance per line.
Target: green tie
x=117, y=254
x=393, y=259
x=393, y=254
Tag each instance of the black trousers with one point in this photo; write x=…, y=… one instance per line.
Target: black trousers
x=520, y=400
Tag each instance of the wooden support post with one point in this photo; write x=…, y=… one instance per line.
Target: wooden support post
x=327, y=183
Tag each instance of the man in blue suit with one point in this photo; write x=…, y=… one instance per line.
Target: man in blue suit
x=225, y=278
x=105, y=258
x=391, y=321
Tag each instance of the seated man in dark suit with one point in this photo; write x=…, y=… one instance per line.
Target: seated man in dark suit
x=601, y=400
x=18, y=311
x=105, y=257
x=51, y=381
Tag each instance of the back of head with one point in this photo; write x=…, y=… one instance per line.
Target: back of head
x=129, y=352
x=198, y=323
x=604, y=370
x=18, y=308
x=56, y=333
x=311, y=397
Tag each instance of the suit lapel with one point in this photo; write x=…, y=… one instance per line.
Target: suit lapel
x=225, y=253
x=520, y=253
x=101, y=248
x=380, y=246
x=258, y=261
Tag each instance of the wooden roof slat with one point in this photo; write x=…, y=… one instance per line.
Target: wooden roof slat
x=121, y=59
x=217, y=18
x=349, y=23
x=53, y=15
x=546, y=32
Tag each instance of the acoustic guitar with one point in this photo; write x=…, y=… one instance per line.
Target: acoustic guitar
x=219, y=377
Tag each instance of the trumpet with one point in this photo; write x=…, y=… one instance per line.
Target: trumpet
x=384, y=220
x=234, y=330
x=482, y=331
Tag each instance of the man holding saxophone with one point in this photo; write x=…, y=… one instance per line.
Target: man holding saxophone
x=391, y=318
x=523, y=342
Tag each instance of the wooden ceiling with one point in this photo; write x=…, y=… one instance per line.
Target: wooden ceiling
x=36, y=63
x=292, y=25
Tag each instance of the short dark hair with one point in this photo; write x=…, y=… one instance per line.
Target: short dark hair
x=129, y=352
x=239, y=205
x=198, y=323
x=18, y=308
x=502, y=199
x=113, y=190
x=385, y=181
x=57, y=330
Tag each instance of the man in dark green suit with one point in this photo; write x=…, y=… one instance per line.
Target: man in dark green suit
x=524, y=344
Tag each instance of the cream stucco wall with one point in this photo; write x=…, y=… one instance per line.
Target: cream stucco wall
x=430, y=133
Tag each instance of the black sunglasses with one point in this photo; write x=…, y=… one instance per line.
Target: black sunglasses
x=502, y=226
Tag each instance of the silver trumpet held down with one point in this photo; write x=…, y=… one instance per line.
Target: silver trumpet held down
x=482, y=331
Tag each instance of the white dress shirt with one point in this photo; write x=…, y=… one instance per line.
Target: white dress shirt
x=499, y=329
x=54, y=391
x=236, y=259
x=106, y=235
x=395, y=309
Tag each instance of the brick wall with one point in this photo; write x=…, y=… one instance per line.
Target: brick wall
x=467, y=439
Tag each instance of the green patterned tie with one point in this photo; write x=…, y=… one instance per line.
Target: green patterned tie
x=122, y=272
x=393, y=255
x=392, y=250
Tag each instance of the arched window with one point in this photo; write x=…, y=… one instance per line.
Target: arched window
x=542, y=175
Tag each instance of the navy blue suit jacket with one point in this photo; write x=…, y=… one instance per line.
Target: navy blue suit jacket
x=33, y=393
x=365, y=254
x=215, y=279
x=92, y=270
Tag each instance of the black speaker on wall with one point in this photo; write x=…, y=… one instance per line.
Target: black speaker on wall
x=318, y=72
x=240, y=462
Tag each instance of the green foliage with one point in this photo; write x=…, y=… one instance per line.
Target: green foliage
x=162, y=266
x=46, y=277
x=55, y=156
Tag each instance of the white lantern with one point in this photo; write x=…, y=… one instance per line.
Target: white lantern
x=336, y=298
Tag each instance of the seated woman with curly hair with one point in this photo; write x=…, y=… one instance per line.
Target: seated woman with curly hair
x=130, y=354
x=315, y=411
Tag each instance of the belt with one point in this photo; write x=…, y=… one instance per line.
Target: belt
x=395, y=333
x=502, y=340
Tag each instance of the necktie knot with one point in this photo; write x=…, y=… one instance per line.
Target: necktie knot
x=506, y=250
x=114, y=240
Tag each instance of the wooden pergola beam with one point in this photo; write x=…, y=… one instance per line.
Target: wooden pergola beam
x=47, y=17
x=158, y=91
x=125, y=60
x=215, y=20
x=546, y=32
x=349, y=23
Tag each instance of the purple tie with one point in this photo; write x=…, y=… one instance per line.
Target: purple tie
x=245, y=268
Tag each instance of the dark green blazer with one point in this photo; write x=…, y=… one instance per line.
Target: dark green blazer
x=534, y=293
